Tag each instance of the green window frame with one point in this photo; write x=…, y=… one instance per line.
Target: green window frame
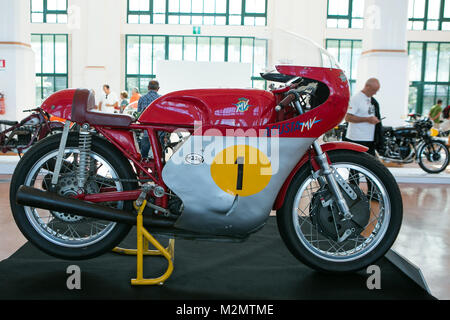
x=429, y=75
x=48, y=11
x=347, y=52
x=51, y=62
x=198, y=12
x=343, y=14
x=429, y=15
x=142, y=52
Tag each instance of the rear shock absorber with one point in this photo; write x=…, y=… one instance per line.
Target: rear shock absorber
x=84, y=144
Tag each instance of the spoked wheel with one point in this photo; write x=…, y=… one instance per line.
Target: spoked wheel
x=318, y=235
x=433, y=157
x=63, y=235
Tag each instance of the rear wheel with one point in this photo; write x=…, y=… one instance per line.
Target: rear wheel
x=318, y=236
x=62, y=235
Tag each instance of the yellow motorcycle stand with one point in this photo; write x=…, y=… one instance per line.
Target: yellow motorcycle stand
x=143, y=238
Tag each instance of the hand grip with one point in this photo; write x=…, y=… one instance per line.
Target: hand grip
x=290, y=97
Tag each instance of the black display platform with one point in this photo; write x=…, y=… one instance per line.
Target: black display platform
x=261, y=268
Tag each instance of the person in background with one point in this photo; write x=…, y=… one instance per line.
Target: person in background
x=109, y=101
x=135, y=96
x=364, y=117
x=435, y=113
x=144, y=102
x=123, y=101
x=446, y=125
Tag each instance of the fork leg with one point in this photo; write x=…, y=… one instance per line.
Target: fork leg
x=326, y=171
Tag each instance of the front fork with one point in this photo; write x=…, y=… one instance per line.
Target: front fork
x=327, y=173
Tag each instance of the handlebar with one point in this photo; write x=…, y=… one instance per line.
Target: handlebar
x=294, y=94
x=290, y=97
x=32, y=110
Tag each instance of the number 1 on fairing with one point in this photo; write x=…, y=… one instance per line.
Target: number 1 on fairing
x=240, y=176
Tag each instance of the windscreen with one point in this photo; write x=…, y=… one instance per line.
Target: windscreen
x=300, y=51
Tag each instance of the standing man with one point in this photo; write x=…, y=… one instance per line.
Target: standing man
x=144, y=102
x=364, y=117
x=435, y=114
x=109, y=101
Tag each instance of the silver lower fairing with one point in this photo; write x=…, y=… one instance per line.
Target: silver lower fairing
x=210, y=210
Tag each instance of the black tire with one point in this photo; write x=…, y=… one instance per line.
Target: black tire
x=117, y=161
x=422, y=165
x=298, y=249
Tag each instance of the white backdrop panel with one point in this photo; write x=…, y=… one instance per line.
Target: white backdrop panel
x=181, y=75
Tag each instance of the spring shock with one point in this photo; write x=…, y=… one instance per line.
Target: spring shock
x=84, y=144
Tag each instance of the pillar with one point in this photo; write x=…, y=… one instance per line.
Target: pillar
x=385, y=56
x=17, y=79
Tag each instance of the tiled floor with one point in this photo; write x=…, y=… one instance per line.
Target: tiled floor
x=424, y=238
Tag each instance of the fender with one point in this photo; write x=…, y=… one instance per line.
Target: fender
x=327, y=147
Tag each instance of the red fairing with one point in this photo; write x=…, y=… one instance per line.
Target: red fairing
x=327, y=147
x=59, y=104
x=218, y=109
x=323, y=118
x=213, y=107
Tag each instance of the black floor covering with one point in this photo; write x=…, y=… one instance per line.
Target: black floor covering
x=261, y=268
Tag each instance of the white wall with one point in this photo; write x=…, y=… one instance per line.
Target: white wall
x=97, y=45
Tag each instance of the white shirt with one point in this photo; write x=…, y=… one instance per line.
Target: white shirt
x=111, y=98
x=361, y=106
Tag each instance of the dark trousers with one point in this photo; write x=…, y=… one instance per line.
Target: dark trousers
x=371, y=151
x=368, y=144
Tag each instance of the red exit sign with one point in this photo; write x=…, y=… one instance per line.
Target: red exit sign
x=2, y=64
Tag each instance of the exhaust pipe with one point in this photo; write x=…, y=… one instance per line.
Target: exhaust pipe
x=36, y=198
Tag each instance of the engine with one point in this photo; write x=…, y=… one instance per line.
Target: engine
x=398, y=148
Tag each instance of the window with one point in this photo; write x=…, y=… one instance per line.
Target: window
x=347, y=53
x=142, y=52
x=198, y=12
x=51, y=63
x=429, y=75
x=49, y=11
x=345, y=13
x=429, y=15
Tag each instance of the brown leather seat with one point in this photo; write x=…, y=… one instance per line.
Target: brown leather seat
x=82, y=104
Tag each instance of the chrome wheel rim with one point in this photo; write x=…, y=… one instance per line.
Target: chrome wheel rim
x=68, y=230
x=434, y=156
x=354, y=247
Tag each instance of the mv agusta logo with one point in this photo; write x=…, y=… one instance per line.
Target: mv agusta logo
x=242, y=105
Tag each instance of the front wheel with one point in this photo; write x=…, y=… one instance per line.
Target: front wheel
x=433, y=157
x=316, y=233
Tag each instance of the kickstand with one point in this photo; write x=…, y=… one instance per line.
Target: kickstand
x=143, y=239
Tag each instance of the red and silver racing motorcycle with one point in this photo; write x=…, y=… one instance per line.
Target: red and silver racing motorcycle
x=242, y=154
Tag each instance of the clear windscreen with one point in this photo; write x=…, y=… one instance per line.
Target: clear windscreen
x=299, y=51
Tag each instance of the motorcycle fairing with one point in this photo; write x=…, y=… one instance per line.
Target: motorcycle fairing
x=210, y=210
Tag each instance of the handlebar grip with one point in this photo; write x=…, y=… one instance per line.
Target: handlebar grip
x=286, y=101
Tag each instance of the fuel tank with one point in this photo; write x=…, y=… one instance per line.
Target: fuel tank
x=213, y=107
x=405, y=132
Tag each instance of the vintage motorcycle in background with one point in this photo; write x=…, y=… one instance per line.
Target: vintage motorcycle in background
x=18, y=137
x=336, y=134
x=414, y=143
x=338, y=209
